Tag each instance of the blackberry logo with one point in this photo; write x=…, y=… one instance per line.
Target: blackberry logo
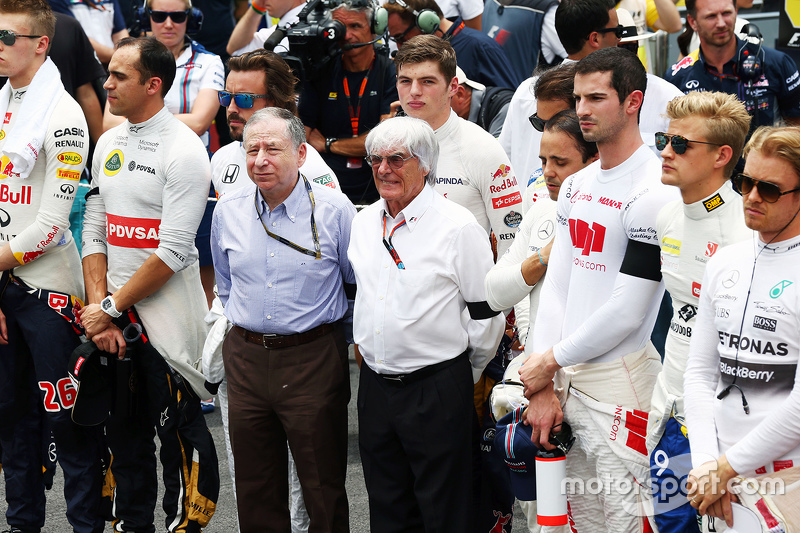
x=767, y=324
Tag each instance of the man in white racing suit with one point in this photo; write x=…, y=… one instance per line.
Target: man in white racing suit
x=472, y=170
x=706, y=135
x=150, y=179
x=257, y=80
x=741, y=387
x=600, y=300
x=518, y=275
x=44, y=144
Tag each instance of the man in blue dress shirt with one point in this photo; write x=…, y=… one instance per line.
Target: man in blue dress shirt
x=280, y=256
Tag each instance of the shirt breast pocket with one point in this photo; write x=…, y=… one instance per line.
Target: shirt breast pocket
x=414, y=293
x=307, y=280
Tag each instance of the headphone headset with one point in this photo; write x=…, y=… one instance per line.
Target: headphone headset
x=426, y=20
x=380, y=17
x=749, y=66
x=193, y=23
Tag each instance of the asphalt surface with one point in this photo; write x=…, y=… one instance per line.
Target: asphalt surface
x=224, y=520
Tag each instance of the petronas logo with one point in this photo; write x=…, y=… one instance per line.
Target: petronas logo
x=113, y=163
x=777, y=290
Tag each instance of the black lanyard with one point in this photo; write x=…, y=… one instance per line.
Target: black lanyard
x=287, y=242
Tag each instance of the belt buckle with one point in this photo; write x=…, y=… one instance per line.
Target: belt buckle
x=266, y=336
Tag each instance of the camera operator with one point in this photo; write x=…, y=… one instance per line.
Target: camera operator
x=340, y=106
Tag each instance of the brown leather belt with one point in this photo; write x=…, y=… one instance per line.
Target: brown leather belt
x=272, y=341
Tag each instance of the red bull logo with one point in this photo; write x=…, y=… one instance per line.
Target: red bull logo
x=501, y=172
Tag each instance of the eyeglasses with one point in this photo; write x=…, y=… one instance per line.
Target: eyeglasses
x=400, y=37
x=619, y=31
x=769, y=192
x=537, y=122
x=178, y=17
x=242, y=100
x=678, y=142
x=395, y=161
x=8, y=37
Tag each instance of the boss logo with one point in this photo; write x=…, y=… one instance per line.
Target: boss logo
x=767, y=324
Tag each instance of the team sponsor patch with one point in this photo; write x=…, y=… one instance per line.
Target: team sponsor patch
x=686, y=62
x=7, y=168
x=711, y=249
x=70, y=158
x=325, y=180
x=775, y=378
x=713, y=202
x=129, y=232
x=333, y=95
x=64, y=174
x=512, y=219
x=26, y=257
x=113, y=163
x=537, y=175
x=2, y=135
x=695, y=289
x=505, y=201
x=22, y=197
x=777, y=290
x=671, y=246
x=501, y=172
x=767, y=324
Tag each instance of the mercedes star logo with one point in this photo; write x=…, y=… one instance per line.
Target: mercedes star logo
x=545, y=230
x=731, y=280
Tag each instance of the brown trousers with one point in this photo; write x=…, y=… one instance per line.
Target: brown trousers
x=297, y=393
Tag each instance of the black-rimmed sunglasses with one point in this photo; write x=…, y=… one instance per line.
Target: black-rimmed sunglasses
x=537, y=122
x=8, y=37
x=619, y=31
x=177, y=17
x=769, y=192
x=679, y=143
x=242, y=100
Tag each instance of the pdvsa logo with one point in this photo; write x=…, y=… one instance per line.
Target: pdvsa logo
x=587, y=238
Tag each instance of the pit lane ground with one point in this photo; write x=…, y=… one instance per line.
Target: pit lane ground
x=224, y=520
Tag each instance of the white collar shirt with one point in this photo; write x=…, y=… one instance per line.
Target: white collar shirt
x=410, y=318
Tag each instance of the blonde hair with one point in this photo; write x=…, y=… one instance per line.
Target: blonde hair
x=186, y=3
x=781, y=142
x=726, y=119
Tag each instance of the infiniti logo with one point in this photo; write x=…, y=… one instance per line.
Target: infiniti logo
x=67, y=188
x=692, y=84
x=5, y=218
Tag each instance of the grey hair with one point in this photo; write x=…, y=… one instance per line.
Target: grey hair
x=294, y=127
x=358, y=6
x=410, y=134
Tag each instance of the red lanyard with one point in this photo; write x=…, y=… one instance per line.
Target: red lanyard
x=453, y=32
x=355, y=114
x=388, y=244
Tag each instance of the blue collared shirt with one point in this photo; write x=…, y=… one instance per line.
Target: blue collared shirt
x=269, y=287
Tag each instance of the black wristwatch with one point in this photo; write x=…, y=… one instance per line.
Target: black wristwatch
x=328, y=142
